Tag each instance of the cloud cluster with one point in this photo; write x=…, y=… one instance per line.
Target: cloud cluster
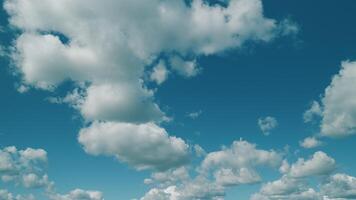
x=6, y=195
x=294, y=183
x=27, y=168
x=219, y=170
x=107, y=50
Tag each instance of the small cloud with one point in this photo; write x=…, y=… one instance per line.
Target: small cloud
x=199, y=151
x=186, y=68
x=315, y=110
x=194, y=115
x=159, y=73
x=310, y=142
x=22, y=89
x=267, y=124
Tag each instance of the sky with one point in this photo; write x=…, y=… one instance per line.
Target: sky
x=177, y=100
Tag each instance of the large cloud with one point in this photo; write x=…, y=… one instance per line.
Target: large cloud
x=107, y=47
x=143, y=146
x=340, y=186
x=319, y=164
x=338, y=105
x=116, y=40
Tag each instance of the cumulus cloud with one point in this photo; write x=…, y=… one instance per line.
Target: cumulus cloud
x=340, y=186
x=267, y=124
x=78, y=194
x=199, y=188
x=319, y=164
x=144, y=146
x=218, y=171
x=337, y=108
x=6, y=195
x=72, y=41
x=314, y=110
x=236, y=165
x=339, y=116
x=105, y=47
x=286, y=189
x=27, y=168
x=310, y=142
x=184, y=68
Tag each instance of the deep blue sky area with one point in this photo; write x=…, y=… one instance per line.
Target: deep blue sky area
x=233, y=90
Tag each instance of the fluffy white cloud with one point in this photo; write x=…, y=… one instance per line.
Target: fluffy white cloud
x=339, y=113
x=236, y=165
x=145, y=146
x=310, y=142
x=169, y=177
x=230, y=177
x=267, y=124
x=104, y=48
x=118, y=102
x=199, y=188
x=78, y=194
x=23, y=167
x=159, y=73
x=112, y=43
x=314, y=110
x=319, y=164
x=338, y=108
x=6, y=195
x=184, y=68
x=340, y=186
x=241, y=154
x=28, y=169
x=218, y=171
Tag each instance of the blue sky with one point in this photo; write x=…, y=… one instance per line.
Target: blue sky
x=230, y=73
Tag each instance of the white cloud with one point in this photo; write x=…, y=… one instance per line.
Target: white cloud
x=314, y=110
x=27, y=168
x=319, y=164
x=286, y=189
x=113, y=42
x=340, y=186
x=107, y=45
x=169, y=177
x=184, y=68
x=241, y=154
x=310, y=142
x=194, y=115
x=23, y=167
x=218, y=171
x=230, y=177
x=144, y=146
x=159, y=73
x=337, y=109
x=339, y=106
x=78, y=194
x=199, y=151
x=6, y=195
x=118, y=102
x=199, y=188
x=267, y=124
